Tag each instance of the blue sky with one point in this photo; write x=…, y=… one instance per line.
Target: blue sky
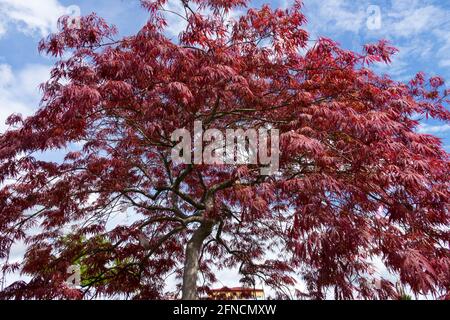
x=419, y=28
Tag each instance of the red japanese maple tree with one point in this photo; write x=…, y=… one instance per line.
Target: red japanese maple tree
x=356, y=181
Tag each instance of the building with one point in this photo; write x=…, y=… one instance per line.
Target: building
x=238, y=293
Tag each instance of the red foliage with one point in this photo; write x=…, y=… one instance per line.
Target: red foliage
x=349, y=147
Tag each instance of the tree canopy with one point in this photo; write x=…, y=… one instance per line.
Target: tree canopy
x=356, y=181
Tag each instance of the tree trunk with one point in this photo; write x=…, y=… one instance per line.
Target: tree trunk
x=191, y=265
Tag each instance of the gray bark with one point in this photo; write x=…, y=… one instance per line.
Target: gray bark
x=191, y=265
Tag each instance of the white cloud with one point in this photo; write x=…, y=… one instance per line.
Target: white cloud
x=444, y=63
x=442, y=36
x=410, y=21
x=434, y=129
x=31, y=16
x=175, y=23
x=19, y=92
x=6, y=75
x=2, y=29
x=284, y=4
x=335, y=16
